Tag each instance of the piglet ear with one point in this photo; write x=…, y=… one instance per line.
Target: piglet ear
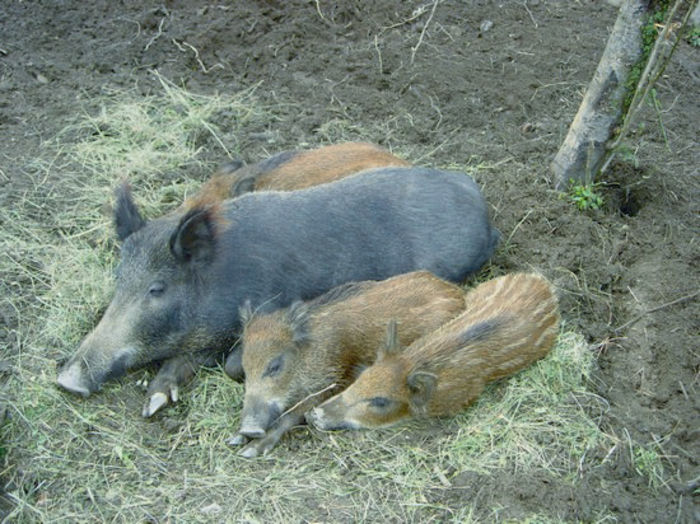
x=391, y=342
x=421, y=385
x=298, y=318
x=127, y=219
x=194, y=240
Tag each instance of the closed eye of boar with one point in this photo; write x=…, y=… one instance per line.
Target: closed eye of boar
x=274, y=367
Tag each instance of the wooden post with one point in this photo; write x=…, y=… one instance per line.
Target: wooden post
x=583, y=152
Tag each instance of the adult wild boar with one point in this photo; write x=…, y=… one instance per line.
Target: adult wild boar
x=181, y=280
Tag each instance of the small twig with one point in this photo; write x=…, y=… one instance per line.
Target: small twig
x=437, y=110
x=379, y=53
x=157, y=36
x=657, y=308
x=318, y=10
x=305, y=399
x=417, y=13
x=530, y=13
x=216, y=137
x=612, y=450
x=654, y=68
x=529, y=212
x=438, y=147
x=196, y=56
x=422, y=33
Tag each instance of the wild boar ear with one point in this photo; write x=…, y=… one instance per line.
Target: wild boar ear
x=194, y=239
x=230, y=166
x=391, y=342
x=421, y=385
x=298, y=318
x=243, y=186
x=127, y=219
x=245, y=312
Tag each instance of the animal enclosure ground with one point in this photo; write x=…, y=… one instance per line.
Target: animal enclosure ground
x=163, y=92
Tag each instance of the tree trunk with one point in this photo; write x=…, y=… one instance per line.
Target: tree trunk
x=641, y=44
x=583, y=152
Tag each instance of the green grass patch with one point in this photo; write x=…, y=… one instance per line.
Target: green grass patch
x=584, y=196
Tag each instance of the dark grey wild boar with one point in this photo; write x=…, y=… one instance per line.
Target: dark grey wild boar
x=285, y=171
x=312, y=350
x=181, y=280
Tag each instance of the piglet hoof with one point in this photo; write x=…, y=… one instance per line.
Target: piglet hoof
x=237, y=440
x=259, y=447
x=250, y=451
x=159, y=399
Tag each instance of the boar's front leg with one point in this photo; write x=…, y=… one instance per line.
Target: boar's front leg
x=174, y=373
x=261, y=446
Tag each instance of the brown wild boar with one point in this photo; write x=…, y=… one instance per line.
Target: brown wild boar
x=509, y=322
x=316, y=347
x=292, y=170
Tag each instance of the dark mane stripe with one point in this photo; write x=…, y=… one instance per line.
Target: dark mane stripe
x=339, y=293
x=482, y=330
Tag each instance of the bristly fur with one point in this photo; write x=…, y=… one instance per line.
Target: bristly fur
x=509, y=323
x=291, y=170
x=341, y=332
x=482, y=330
x=338, y=293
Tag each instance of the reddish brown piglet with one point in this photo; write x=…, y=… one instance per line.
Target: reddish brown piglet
x=509, y=323
x=293, y=170
x=316, y=348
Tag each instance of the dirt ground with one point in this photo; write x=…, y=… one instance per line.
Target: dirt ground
x=487, y=85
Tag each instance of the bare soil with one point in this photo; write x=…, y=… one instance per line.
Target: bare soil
x=486, y=85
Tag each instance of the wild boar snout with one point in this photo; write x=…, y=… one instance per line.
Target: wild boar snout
x=257, y=417
x=72, y=378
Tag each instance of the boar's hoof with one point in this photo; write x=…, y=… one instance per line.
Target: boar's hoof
x=157, y=401
x=252, y=432
x=237, y=440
